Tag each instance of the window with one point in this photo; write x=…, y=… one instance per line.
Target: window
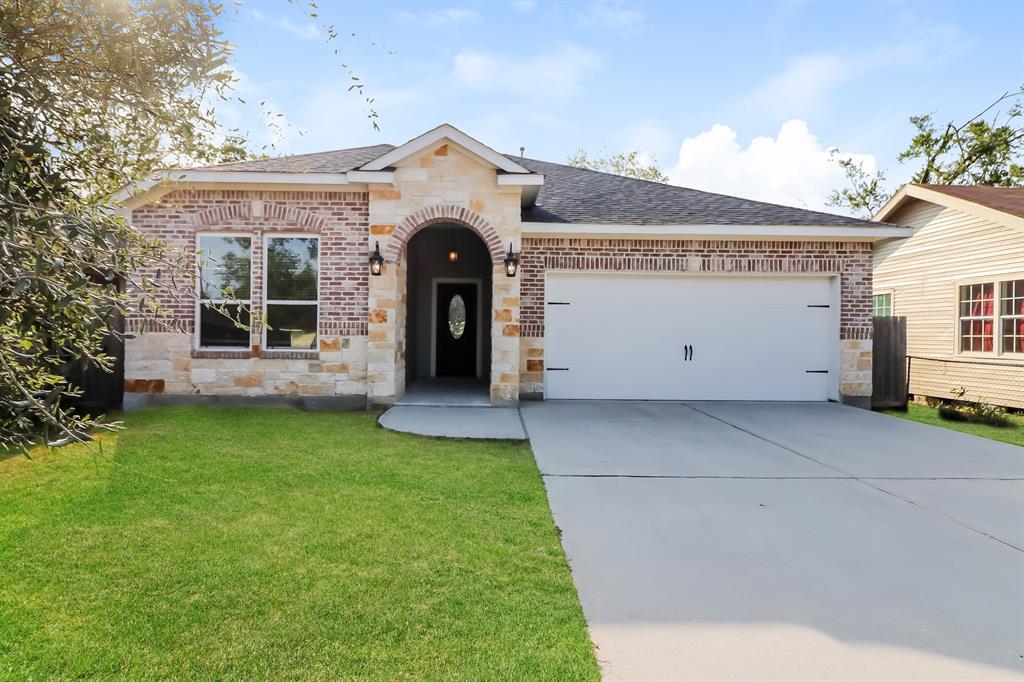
x=225, y=272
x=292, y=281
x=977, y=322
x=991, y=317
x=882, y=305
x=457, y=317
x=1011, y=315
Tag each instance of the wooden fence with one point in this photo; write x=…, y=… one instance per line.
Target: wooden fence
x=101, y=390
x=889, y=363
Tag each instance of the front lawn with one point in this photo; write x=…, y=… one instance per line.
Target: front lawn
x=930, y=415
x=274, y=543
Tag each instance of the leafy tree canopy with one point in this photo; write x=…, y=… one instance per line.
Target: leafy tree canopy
x=987, y=149
x=628, y=164
x=95, y=96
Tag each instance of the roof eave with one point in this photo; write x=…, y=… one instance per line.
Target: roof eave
x=912, y=191
x=682, y=231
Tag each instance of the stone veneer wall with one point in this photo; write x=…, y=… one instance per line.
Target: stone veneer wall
x=161, y=360
x=851, y=260
x=442, y=184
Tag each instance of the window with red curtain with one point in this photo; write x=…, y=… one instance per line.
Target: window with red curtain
x=1011, y=315
x=977, y=318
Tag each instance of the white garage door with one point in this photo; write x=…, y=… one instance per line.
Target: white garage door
x=680, y=337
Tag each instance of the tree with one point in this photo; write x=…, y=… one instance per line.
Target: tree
x=979, y=151
x=628, y=164
x=94, y=97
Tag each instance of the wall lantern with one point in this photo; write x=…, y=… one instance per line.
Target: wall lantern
x=511, y=262
x=376, y=260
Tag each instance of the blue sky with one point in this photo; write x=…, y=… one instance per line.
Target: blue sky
x=741, y=98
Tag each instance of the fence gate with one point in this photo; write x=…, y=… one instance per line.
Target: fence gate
x=889, y=363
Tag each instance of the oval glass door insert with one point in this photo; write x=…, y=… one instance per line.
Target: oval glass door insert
x=456, y=317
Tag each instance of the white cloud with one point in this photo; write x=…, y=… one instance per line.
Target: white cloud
x=302, y=31
x=523, y=5
x=615, y=15
x=808, y=82
x=440, y=18
x=558, y=74
x=335, y=118
x=793, y=168
x=650, y=138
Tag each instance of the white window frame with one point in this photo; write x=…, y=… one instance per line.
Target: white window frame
x=892, y=300
x=1000, y=316
x=267, y=302
x=197, y=336
x=997, y=317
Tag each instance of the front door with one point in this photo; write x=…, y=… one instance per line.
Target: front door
x=455, y=329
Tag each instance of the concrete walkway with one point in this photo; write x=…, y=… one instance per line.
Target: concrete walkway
x=774, y=541
x=489, y=423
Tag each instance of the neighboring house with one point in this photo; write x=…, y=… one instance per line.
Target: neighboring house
x=959, y=281
x=616, y=288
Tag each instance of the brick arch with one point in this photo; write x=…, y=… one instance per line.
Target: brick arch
x=284, y=213
x=220, y=214
x=444, y=213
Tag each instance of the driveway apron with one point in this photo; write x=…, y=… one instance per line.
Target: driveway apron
x=767, y=541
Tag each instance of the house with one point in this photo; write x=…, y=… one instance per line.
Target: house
x=959, y=281
x=381, y=268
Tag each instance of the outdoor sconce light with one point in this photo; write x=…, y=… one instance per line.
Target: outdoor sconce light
x=376, y=260
x=511, y=262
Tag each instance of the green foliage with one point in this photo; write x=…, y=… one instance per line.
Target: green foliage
x=979, y=412
x=94, y=97
x=865, y=193
x=978, y=151
x=628, y=164
x=930, y=415
x=229, y=543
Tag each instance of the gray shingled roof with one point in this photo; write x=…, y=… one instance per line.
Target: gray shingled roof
x=337, y=161
x=579, y=195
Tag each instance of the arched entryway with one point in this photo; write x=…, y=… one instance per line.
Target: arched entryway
x=448, y=322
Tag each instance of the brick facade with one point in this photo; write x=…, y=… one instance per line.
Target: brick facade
x=164, y=360
x=852, y=261
x=338, y=218
x=362, y=335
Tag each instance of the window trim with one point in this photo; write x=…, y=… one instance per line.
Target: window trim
x=892, y=301
x=1000, y=316
x=997, y=317
x=196, y=321
x=267, y=236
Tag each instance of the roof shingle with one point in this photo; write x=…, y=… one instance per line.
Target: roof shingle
x=1006, y=199
x=580, y=195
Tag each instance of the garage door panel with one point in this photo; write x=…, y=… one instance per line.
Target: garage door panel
x=623, y=336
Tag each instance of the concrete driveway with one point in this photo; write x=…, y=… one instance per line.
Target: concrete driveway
x=792, y=541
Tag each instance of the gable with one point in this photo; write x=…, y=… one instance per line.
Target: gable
x=444, y=133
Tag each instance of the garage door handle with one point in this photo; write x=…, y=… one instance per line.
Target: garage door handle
x=687, y=353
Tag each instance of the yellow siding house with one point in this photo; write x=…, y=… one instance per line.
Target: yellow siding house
x=959, y=281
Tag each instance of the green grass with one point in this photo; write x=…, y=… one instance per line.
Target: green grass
x=272, y=543
x=930, y=415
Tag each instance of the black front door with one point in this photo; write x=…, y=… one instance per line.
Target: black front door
x=456, y=324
